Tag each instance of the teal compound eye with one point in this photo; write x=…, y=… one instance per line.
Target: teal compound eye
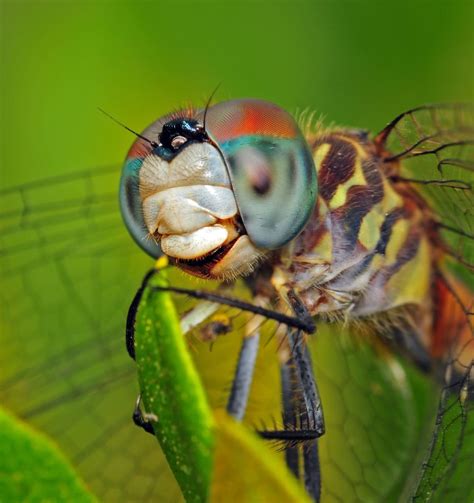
x=270, y=166
x=131, y=208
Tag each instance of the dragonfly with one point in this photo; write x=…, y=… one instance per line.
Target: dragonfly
x=352, y=252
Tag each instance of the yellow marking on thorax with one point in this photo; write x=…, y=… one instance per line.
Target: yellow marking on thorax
x=377, y=262
x=339, y=198
x=411, y=284
x=369, y=232
x=358, y=178
x=319, y=153
x=397, y=239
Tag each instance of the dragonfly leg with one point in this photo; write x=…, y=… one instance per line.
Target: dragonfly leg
x=132, y=314
x=289, y=412
x=312, y=470
x=138, y=417
x=313, y=415
x=302, y=416
x=302, y=412
x=306, y=404
x=141, y=420
x=313, y=412
x=306, y=324
x=312, y=403
x=239, y=394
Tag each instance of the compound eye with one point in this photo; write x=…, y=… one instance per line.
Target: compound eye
x=131, y=207
x=270, y=166
x=258, y=173
x=130, y=199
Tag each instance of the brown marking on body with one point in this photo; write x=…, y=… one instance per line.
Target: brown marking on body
x=312, y=233
x=337, y=166
x=359, y=201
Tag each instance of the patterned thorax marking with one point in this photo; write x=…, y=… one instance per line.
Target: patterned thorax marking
x=366, y=248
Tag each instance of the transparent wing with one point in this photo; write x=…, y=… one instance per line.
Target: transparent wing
x=435, y=147
x=68, y=273
x=430, y=150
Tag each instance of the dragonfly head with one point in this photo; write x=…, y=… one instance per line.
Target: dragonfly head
x=218, y=190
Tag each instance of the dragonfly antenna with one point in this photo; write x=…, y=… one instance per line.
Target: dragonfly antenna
x=151, y=142
x=208, y=104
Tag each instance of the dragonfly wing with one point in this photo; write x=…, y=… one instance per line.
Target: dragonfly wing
x=435, y=145
x=69, y=272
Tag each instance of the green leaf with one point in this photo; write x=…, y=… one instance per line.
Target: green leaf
x=32, y=469
x=172, y=393
x=246, y=470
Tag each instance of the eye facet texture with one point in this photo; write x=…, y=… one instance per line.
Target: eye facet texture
x=270, y=166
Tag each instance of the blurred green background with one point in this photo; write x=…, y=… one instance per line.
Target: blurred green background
x=356, y=63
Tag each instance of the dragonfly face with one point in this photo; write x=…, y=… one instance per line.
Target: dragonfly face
x=219, y=189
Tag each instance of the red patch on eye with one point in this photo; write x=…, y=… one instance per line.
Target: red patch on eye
x=248, y=117
x=139, y=149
